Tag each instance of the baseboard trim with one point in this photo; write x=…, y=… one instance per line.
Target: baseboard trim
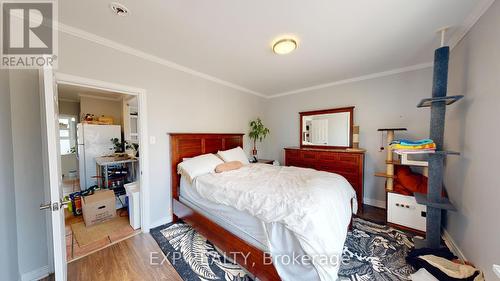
x=161, y=221
x=374, y=202
x=36, y=274
x=452, y=245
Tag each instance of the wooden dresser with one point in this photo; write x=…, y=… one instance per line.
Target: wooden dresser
x=349, y=164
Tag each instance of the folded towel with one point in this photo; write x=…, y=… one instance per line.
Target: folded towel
x=409, y=147
x=412, y=142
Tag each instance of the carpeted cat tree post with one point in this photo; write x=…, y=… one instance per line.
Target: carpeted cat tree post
x=433, y=200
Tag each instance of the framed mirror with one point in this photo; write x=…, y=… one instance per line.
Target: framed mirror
x=329, y=128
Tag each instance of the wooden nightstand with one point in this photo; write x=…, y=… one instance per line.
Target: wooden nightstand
x=265, y=161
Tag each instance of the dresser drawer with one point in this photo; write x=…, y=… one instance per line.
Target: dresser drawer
x=289, y=154
x=343, y=168
x=328, y=157
x=308, y=156
x=349, y=159
x=293, y=162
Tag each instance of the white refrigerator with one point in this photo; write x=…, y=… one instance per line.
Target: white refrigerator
x=93, y=141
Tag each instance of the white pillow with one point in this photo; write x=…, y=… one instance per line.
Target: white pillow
x=235, y=154
x=198, y=166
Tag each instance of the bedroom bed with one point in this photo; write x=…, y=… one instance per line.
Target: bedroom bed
x=231, y=228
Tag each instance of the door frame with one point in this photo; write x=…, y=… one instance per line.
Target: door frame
x=68, y=79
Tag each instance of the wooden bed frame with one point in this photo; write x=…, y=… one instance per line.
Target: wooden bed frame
x=186, y=145
x=190, y=145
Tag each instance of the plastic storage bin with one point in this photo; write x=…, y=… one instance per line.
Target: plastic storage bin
x=134, y=204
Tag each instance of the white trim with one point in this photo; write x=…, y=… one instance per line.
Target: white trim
x=374, y=202
x=36, y=274
x=356, y=79
x=469, y=22
x=452, y=245
x=68, y=79
x=50, y=129
x=135, y=52
x=161, y=221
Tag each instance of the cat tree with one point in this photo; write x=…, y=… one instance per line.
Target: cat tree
x=433, y=199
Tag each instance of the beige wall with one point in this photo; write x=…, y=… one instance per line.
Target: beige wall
x=472, y=128
x=177, y=102
x=69, y=108
x=100, y=107
x=380, y=103
x=8, y=229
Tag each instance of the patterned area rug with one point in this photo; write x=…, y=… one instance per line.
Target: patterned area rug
x=371, y=252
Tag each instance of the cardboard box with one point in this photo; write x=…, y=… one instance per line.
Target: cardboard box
x=98, y=207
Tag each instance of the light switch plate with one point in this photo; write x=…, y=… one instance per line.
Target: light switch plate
x=496, y=269
x=152, y=140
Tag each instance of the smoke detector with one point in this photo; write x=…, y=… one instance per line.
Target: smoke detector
x=118, y=9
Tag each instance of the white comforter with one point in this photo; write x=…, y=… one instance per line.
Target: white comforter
x=314, y=205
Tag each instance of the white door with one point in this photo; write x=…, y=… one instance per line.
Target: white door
x=50, y=129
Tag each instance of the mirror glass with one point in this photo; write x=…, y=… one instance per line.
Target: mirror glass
x=327, y=128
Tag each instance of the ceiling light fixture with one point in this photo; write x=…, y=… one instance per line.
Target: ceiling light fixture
x=118, y=9
x=284, y=46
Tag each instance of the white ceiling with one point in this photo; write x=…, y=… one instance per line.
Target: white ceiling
x=230, y=40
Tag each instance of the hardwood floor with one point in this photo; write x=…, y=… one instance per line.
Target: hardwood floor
x=373, y=214
x=130, y=259
x=127, y=260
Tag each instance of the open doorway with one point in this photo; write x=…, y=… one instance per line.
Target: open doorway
x=99, y=143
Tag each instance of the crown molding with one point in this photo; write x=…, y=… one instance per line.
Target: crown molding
x=149, y=57
x=469, y=22
x=356, y=79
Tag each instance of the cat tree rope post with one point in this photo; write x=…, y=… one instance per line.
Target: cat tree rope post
x=389, y=161
x=389, y=185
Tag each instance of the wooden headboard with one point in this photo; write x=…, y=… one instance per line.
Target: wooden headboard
x=188, y=145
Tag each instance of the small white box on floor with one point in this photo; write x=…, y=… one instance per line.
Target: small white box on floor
x=403, y=210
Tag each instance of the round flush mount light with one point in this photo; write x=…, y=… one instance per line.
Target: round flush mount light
x=118, y=9
x=284, y=46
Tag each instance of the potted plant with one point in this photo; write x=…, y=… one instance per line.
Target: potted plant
x=257, y=132
x=132, y=149
x=118, y=145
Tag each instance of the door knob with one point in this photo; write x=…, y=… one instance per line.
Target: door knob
x=64, y=203
x=45, y=206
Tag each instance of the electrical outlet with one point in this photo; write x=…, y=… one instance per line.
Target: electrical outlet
x=496, y=269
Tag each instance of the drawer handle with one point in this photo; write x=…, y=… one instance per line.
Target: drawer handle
x=402, y=205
